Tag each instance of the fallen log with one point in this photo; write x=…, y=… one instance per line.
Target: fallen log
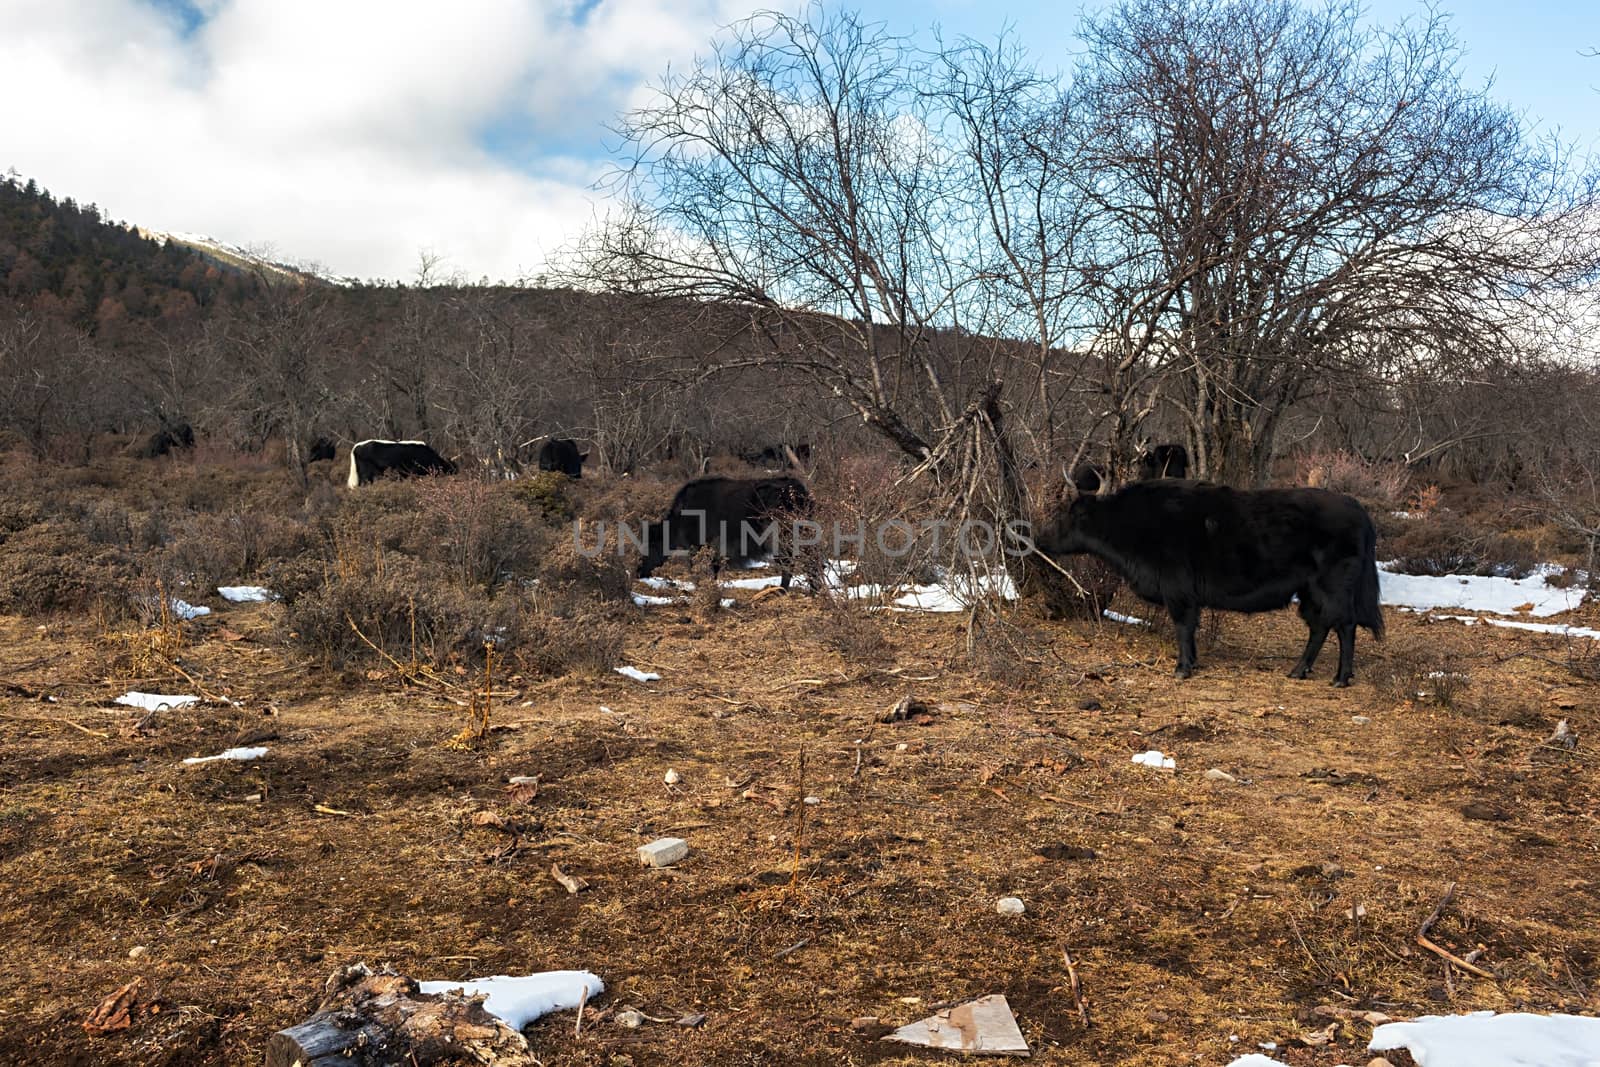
x=379, y=1020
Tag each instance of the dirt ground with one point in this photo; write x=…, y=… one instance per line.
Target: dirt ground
x=1203, y=916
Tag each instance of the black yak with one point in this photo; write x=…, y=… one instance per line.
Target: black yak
x=1190, y=545
x=743, y=518
x=1164, y=461
x=560, y=454
x=371, y=460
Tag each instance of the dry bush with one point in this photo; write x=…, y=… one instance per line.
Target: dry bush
x=18, y=514
x=547, y=494
x=1449, y=543
x=50, y=567
x=1086, y=595
x=1377, y=481
x=1419, y=677
x=852, y=629
x=586, y=643
x=409, y=611
x=477, y=529
x=570, y=582
x=862, y=493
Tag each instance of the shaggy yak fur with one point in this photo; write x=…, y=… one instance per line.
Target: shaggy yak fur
x=1189, y=545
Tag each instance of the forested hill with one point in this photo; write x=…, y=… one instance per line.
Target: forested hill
x=68, y=262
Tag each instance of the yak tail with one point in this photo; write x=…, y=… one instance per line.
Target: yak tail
x=1368, y=613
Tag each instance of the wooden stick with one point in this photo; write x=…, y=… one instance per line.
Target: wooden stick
x=1444, y=902
x=1427, y=924
x=1078, y=997
x=583, y=998
x=1471, y=968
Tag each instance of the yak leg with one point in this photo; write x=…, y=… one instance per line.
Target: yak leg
x=1308, y=658
x=1186, y=617
x=1347, y=654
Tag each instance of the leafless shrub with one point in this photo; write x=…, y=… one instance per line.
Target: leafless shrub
x=478, y=530
x=1373, y=481
x=1449, y=543
x=48, y=568
x=1415, y=676
x=583, y=643
x=572, y=583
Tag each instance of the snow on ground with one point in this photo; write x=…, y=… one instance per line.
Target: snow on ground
x=230, y=754
x=645, y=600
x=754, y=583
x=1131, y=620
x=244, y=594
x=155, y=701
x=185, y=610
x=1483, y=1039
x=518, y=1001
x=1156, y=760
x=1536, y=627
x=637, y=675
x=1469, y=592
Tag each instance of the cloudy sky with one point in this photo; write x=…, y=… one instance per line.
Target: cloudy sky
x=358, y=133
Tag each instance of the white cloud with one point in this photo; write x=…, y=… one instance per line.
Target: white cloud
x=346, y=133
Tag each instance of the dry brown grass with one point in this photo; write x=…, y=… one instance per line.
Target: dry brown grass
x=1194, y=910
x=1207, y=909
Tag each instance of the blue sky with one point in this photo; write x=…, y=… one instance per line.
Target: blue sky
x=357, y=135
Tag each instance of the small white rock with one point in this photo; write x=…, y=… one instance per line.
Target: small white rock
x=1010, y=906
x=1217, y=775
x=136, y=951
x=672, y=777
x=523, y=779
x=813, y=800
x=1360, y=720
x=630, y=1018
x=901, y=747
x=663, y=852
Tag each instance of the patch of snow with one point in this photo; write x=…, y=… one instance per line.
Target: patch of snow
x=230, y=754
x=664, y=583
x=1536, y=627
x=754, y=583
x=155, y=701
x=1499, y=596
x=1114, y=616
x=1255, y=1059
x=244, y=594
x=1484, y=1039
x=637, y=675
x=645, y=600
x=182, y=608
x=1156, y=760
x=956, y=595
x=518, y=1001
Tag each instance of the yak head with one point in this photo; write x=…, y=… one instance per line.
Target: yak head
x=1061, y=534
x=655, y=548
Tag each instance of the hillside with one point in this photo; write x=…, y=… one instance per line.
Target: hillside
x=70, y=262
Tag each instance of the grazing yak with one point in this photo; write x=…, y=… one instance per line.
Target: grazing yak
x=371, y=460
x=743, y=518
x=170, y=438
x=1190, y=545
x=559, y=454
x=1164, y=461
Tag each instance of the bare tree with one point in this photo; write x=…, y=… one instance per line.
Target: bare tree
x=1297, y=201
